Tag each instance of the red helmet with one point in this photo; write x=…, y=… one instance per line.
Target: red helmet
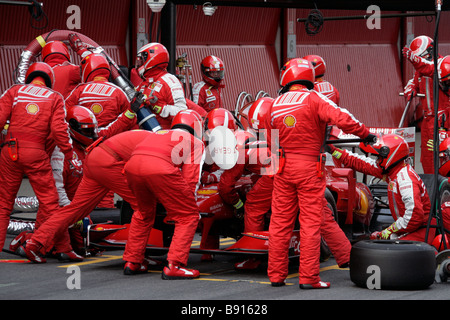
x=151, y=55
x=55, y=48
x=422, y=46
x=390, y=149
x=259, y=111
x=190, y=120
x=297, y=71
x=318, y=64
x=444, y=73
x=444, y=157
x=212, y=70
x=82, y=125
x=40, y=69
x=220, y=117
x=438, y=243
x=94, y=65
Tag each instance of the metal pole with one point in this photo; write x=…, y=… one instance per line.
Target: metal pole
x=19, y=3
x=366, y=16
x=169, y=34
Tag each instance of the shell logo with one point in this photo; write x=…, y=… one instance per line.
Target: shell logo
x=96, y=108
x=32, y=108
x=289, y=121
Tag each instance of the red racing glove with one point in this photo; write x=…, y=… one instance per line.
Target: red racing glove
x=75, y=164
x=408, y=54
x=78, y=46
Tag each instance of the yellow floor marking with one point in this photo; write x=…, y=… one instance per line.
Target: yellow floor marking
x=98, y=259
x=333, y=267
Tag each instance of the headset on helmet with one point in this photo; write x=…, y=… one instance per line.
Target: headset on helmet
x=422, y=46
x=318, y=64
x=150, y=56
x=82, y=125
x=259, y=111
x=212, y=70
x=94, y=65
x=444, y=73
x=297, y=71
x=40, y=69
x=391, y=149
x=189, y=120
x=55, y=48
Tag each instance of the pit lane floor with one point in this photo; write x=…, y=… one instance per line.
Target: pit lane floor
x=101, y=278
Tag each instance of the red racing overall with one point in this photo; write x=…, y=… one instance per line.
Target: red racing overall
x=299, y=117
x=35, y=113
x=102, y=171
x=165, y=168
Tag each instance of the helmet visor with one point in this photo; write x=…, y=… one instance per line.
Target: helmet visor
x=88, y=130
x=215, y=74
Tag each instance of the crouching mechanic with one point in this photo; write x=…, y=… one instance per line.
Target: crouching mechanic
x=103, y=171
x=176, y=156
x=409, y=202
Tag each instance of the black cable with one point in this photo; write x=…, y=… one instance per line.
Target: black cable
x=314, y=22
x=37, y=14
x=435, y=201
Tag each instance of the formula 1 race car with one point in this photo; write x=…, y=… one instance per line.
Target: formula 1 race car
x=219, y=220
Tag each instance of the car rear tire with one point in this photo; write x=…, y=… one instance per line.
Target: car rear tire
x=392, y=264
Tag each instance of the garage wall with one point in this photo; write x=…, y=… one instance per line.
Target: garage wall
x=362, y=64
x=245, y=40
x=105, y=22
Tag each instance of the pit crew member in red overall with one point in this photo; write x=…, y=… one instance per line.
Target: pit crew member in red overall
x=409, y=202
x=259, y=199
x=102, y=172
x=419, y=53
x=35, y=112
x=164, y=92
x=177, y=156
x=211, y=172
x=67, y=75
x=321, y=85
x=254, y=160
x=84, y=132
x=208, y=92
x=299, y=117
x=106, y=100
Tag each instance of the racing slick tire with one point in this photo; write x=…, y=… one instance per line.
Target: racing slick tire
x=392, y=264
